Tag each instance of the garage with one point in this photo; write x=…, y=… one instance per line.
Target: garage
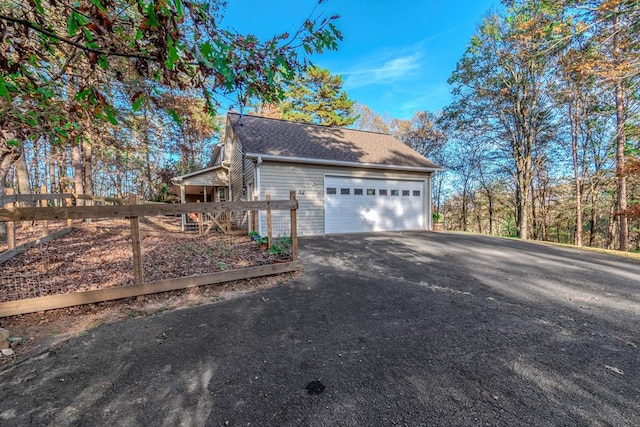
x=356, y=205
x=345, y=180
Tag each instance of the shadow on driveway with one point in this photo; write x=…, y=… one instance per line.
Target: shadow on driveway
x=400, y=328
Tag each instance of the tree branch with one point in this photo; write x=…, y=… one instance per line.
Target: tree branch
x=70, y=42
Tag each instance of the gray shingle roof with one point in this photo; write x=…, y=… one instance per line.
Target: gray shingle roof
x=273, y=137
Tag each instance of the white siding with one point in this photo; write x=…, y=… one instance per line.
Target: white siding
x=249, y=166
x=277, y=179
x=215, y=178
x=236, y=171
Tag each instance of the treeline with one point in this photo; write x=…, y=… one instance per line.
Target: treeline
x=138, y=155
x=543, y=129
x=542, y=138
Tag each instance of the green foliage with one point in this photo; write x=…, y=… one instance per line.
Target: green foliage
x=53, y=51
x=317, y=97
x=281, y=247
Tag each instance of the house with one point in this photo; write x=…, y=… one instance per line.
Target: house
x=345, y=180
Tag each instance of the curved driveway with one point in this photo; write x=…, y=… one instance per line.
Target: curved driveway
x=401, y=328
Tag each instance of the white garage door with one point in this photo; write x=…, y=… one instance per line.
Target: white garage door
x=353, y=205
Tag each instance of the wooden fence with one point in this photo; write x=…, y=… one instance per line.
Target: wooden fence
x=134, y=212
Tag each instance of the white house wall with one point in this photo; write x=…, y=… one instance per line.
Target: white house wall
x=278, y=179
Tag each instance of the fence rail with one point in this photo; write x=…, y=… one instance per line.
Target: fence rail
x=129, y=216
x=84, y=212
x=35, y=197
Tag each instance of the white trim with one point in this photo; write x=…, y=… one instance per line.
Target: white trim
x=273, y=158
x=198, y=172
x=257, y=189
x=374, y=176
x=430, y=207
x=183, y=216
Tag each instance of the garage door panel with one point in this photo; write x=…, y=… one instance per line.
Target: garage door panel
x=402, y=207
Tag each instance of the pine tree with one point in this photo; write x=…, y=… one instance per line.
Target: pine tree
x=317, y=97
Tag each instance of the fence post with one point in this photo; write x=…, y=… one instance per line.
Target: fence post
x=135, y=241
x=43, y=203
x=294, y=227
x=68, y=202
x=269, y=222
x=11, y=225
x=200, y=222
x=228, y=214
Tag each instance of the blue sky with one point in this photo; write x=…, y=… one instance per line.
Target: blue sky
x=395, y=58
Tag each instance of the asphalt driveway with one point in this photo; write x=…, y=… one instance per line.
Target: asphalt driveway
x=401, y=329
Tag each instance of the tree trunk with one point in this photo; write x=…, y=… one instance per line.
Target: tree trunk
x=573, y=119
x=534, y=221
x=78, y=172
x=490, y=199
x=22, y=176
x=118, y=162
x=464, y=211
x=63, y=179
x=479, y=218
x=87, y=157
x=36, y=165
x=521, y=205
x=8, y=157
x=611, y=227
x=51, y=166
x=149, y=187
x=621, y=141
x=593, y=217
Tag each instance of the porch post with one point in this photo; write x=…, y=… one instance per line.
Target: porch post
x=182, y=200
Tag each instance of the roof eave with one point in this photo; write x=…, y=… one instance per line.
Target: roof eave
x=311, y=161
x=198, y=172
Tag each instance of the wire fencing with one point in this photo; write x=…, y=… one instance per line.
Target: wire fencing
x=140, y=249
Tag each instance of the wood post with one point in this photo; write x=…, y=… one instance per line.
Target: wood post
x=135, y=242
x=228, y=213
x=11, y=225
x=183, y=200
x=68, y=202
x=200, y=222
x=294, y=228
x=43, y=203
x=269, y=222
